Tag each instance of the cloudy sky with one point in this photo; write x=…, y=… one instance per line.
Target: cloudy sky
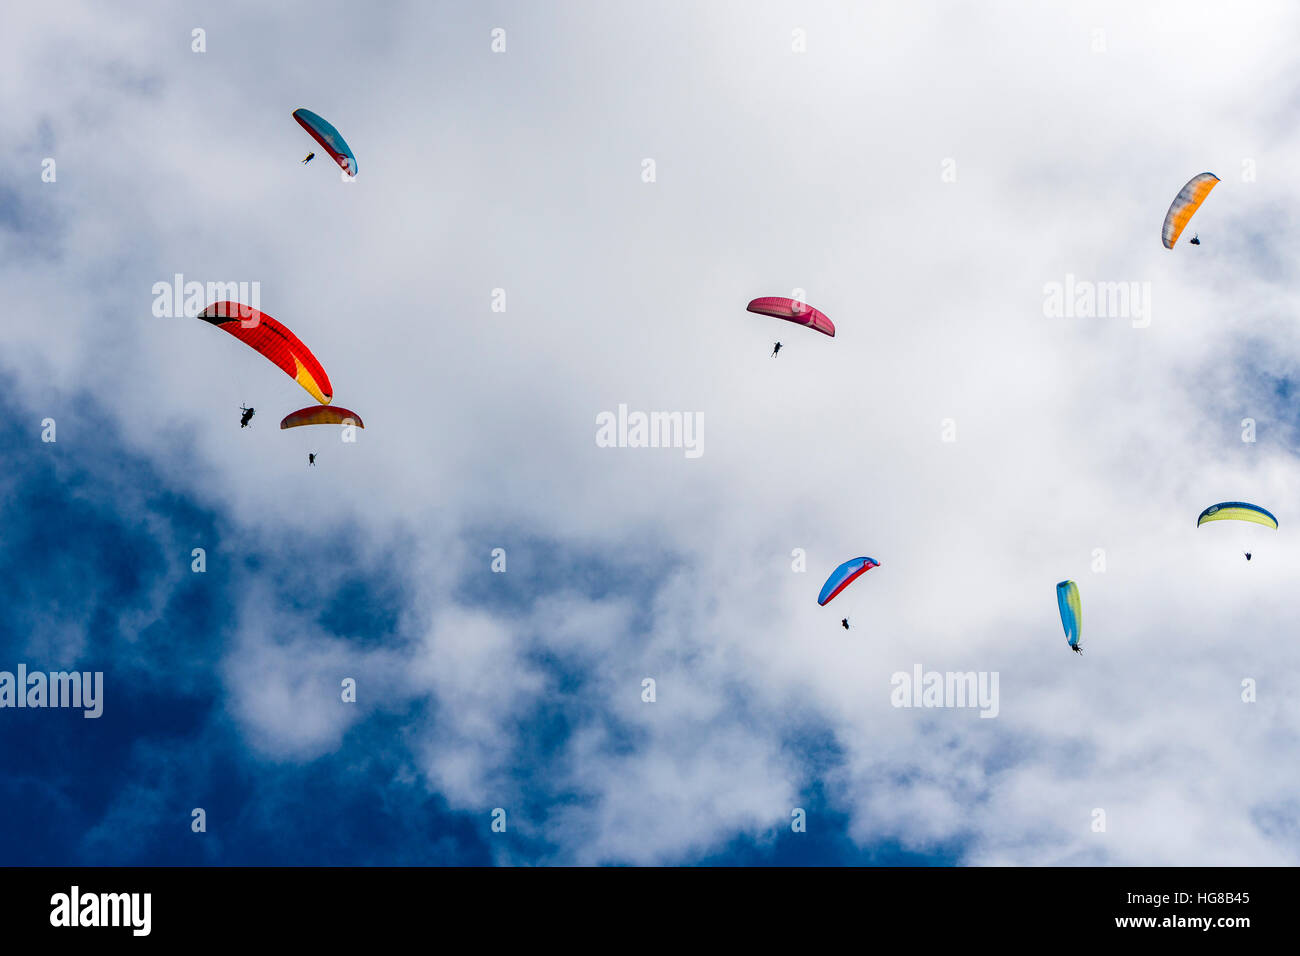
x=625, y=177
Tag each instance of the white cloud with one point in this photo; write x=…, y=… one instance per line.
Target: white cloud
x=776, y=171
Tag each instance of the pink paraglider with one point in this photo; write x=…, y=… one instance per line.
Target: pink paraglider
x=792, y=310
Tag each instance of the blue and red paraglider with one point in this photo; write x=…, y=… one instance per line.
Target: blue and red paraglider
x=330, y=139
x=843, y=576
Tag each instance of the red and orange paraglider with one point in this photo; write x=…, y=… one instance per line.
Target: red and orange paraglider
x=259, y=331
x=321, y=415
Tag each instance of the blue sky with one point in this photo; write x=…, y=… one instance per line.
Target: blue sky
x=921, y=173
x=119, y=788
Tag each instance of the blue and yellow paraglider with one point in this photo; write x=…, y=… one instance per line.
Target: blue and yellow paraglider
x=1237, y=511
x=1067, y=599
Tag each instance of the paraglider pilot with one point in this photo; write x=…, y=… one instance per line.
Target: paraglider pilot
x=310, y=157
x=246, y=417
x=311, y=458
x=845, y=622
x=776, y=349
x=1196, y=239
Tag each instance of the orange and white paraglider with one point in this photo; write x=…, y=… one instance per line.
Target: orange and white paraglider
x=1184, y=206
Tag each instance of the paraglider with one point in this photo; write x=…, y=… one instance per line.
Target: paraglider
x=247, y=417
x=1237, y=511
x=1185, y=204
x=793, y=311
x=321, y=415
x=1067, y=599
x=844, y=622
x=311, y=459
x=776, y=348
x=330, y=139
x=1195, y=240
x=275, y=342
x=310, y=157
x=843, y=576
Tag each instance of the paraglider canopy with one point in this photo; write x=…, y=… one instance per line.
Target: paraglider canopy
x=330, y=139
x=1237, y=511
x=843, y=576
x=259, y=331
x=1067, y=599
x=1186, y=203
x=321, y=415
x=792, y=310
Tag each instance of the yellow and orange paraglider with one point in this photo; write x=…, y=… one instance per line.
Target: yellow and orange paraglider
x=321, y=415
